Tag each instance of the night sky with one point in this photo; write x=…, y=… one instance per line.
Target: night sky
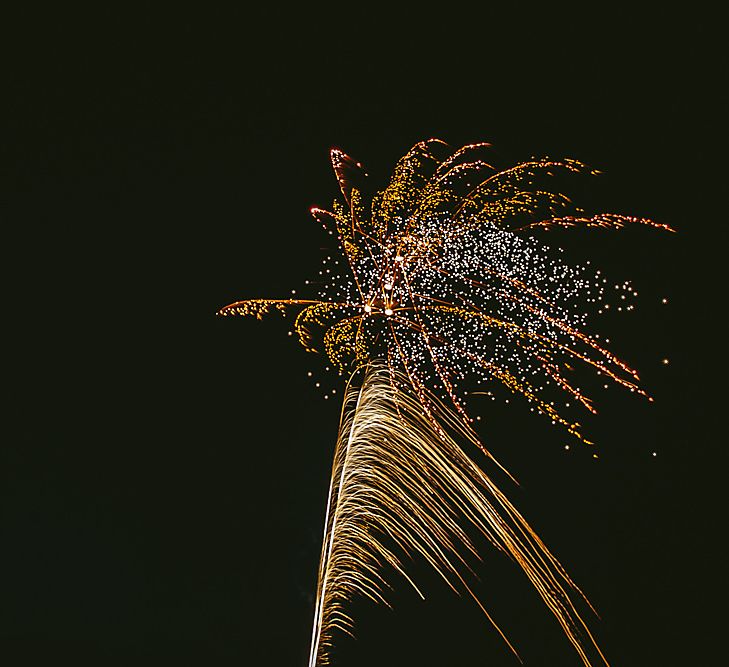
x=165, y=471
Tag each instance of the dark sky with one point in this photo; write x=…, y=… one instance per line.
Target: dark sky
x=164, y=490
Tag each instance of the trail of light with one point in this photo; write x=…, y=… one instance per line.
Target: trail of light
x=395, y=481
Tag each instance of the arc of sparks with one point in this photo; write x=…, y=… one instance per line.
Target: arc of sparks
x=395, y=477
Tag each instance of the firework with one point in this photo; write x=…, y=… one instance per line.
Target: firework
x=441, y=288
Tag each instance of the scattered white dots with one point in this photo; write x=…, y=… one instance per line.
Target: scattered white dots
x=475, y=303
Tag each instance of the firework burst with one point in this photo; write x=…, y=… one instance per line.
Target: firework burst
x=442, y=288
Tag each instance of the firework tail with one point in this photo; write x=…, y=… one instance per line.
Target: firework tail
x=397, y=476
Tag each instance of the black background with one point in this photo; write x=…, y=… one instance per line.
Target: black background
x=163, y=494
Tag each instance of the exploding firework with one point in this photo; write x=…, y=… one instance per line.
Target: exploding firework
x=443, y=289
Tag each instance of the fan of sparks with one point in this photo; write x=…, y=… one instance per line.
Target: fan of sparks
x=444, y=283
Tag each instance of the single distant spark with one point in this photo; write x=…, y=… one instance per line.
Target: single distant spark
x=441, y=288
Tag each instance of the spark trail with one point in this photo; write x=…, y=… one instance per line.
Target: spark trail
x=397, y=476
